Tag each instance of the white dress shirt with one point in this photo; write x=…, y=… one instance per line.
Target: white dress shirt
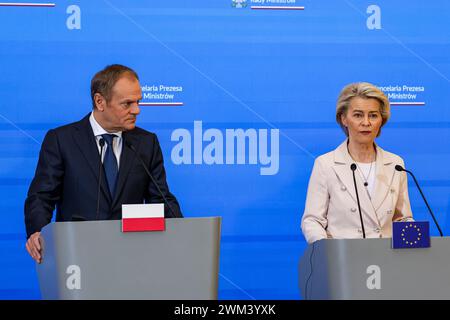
x=98, y=131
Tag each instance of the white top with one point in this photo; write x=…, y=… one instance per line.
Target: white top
x=98, y=131
x=367, y=173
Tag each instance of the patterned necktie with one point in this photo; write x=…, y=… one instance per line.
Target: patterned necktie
x=110, y=163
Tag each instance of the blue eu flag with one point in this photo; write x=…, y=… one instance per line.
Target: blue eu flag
x=414, y=234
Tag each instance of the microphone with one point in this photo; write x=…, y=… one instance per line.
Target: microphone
x=400, y=168
x=353, y=167
x=101, y=142
x=129, y=145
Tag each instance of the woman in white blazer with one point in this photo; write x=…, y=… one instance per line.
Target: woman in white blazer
x=331, y=209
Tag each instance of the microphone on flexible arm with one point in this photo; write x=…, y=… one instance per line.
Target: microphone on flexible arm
x=353, y=167
x=129, y=145
x=101, y=142
x=400, y=168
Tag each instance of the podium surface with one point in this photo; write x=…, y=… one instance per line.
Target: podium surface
x=371, y=269
x=95, y=260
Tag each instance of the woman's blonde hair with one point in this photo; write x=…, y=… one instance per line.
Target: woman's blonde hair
x=363, y=90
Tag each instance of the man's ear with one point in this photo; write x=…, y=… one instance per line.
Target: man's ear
x=100, y=102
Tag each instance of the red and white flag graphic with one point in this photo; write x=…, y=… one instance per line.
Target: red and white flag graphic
x=143, y=217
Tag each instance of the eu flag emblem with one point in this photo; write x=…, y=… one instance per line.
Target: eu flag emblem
x=414, y=234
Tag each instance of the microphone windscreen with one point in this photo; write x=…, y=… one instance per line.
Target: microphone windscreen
x=353, y=167
x=399, y=168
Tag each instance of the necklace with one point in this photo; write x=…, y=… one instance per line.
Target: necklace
x=359, y=169
x=362, y=174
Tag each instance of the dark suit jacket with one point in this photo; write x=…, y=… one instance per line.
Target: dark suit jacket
x=67, y=176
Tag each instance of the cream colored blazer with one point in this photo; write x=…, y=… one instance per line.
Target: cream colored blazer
x=331, y=210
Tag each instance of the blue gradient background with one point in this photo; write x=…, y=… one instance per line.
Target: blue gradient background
x=239, y=68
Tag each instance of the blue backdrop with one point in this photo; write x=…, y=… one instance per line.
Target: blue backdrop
x=263, y=74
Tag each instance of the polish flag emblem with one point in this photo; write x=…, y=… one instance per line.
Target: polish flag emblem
x=143, y=217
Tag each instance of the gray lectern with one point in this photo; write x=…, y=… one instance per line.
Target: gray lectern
x=95, y=260
x=371, y=269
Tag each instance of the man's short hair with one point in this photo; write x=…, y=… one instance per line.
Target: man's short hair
x=104, y=80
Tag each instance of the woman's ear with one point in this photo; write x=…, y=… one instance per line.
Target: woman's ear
x=344, y=120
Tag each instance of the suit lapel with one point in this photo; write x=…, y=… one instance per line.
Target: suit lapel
x=384, y=175
x=127, y=158
x=85, y=140
x=364, y=198
x=342, y=162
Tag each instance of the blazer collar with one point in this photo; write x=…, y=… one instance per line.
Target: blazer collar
x=384, y=175
x=342, y=156
x=127, y=159
x=85, y=140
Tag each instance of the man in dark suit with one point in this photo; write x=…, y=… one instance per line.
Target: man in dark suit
x=89, y=168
